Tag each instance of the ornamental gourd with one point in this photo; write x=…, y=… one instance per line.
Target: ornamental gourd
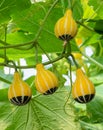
x=19, y=92
x=83, y=89
x=45, y=81
x=66, y=27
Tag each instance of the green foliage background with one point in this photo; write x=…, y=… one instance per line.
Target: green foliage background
x=22, y=24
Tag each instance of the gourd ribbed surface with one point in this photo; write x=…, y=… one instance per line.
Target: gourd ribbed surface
x=83, y=89
x=19, y=92
x=45, y=81
x=66, y=27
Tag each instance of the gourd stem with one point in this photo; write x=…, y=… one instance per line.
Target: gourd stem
x=64, y=49
x=77, y=66
x=69, y=4
x=68, y=48
x=11, y=61
x=36, y=53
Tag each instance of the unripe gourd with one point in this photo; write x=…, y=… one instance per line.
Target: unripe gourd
x=45, y=81
x=66, y=27
x=83, y=90
x=19, y=92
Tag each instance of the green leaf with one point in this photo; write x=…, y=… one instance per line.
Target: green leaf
x=10, y=7
x=77, y=9
x=43, y=112
x=28, y=23
x=97, y=6
x=30, y=81
x=94, y=108
x=3, y=95
x=84, y=32
x=98, y=27
x=5, y=78
x=32, y=60
x=6, y=112
x=91, y=117
x=99, y=59
x=92, y=40
x=97, y=79
x=88, y=13
x=89, y=126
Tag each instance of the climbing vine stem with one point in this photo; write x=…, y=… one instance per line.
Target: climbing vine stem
x=31, y=44
x=36, y=53
x=42, y=49
x=69, y=94
x=77, y=66
x=15, y=46
x=85, y=26
x=33, y=66
x=14, y=65
x=45, y=18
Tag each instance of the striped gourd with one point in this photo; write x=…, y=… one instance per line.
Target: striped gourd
x=45, y=81
x=66, y=27
x=19, y=92
x=83, y=90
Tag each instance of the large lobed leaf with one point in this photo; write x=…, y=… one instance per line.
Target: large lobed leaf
x=26, y=24
x=9, y=7
x=97, y=6
x=93, y=118
x=42, y=113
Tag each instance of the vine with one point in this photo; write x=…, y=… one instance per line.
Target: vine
x=34, y=43
x=29, y=45
x=47, y=81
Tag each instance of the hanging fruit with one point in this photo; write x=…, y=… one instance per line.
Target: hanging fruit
x=19, y=92
x=83, y=90
x=66, y=27
x=45, y=81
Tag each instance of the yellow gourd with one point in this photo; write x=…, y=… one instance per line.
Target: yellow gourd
x=83, y=89
x=45, y=81
x=66, y=27
x=19, y=92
